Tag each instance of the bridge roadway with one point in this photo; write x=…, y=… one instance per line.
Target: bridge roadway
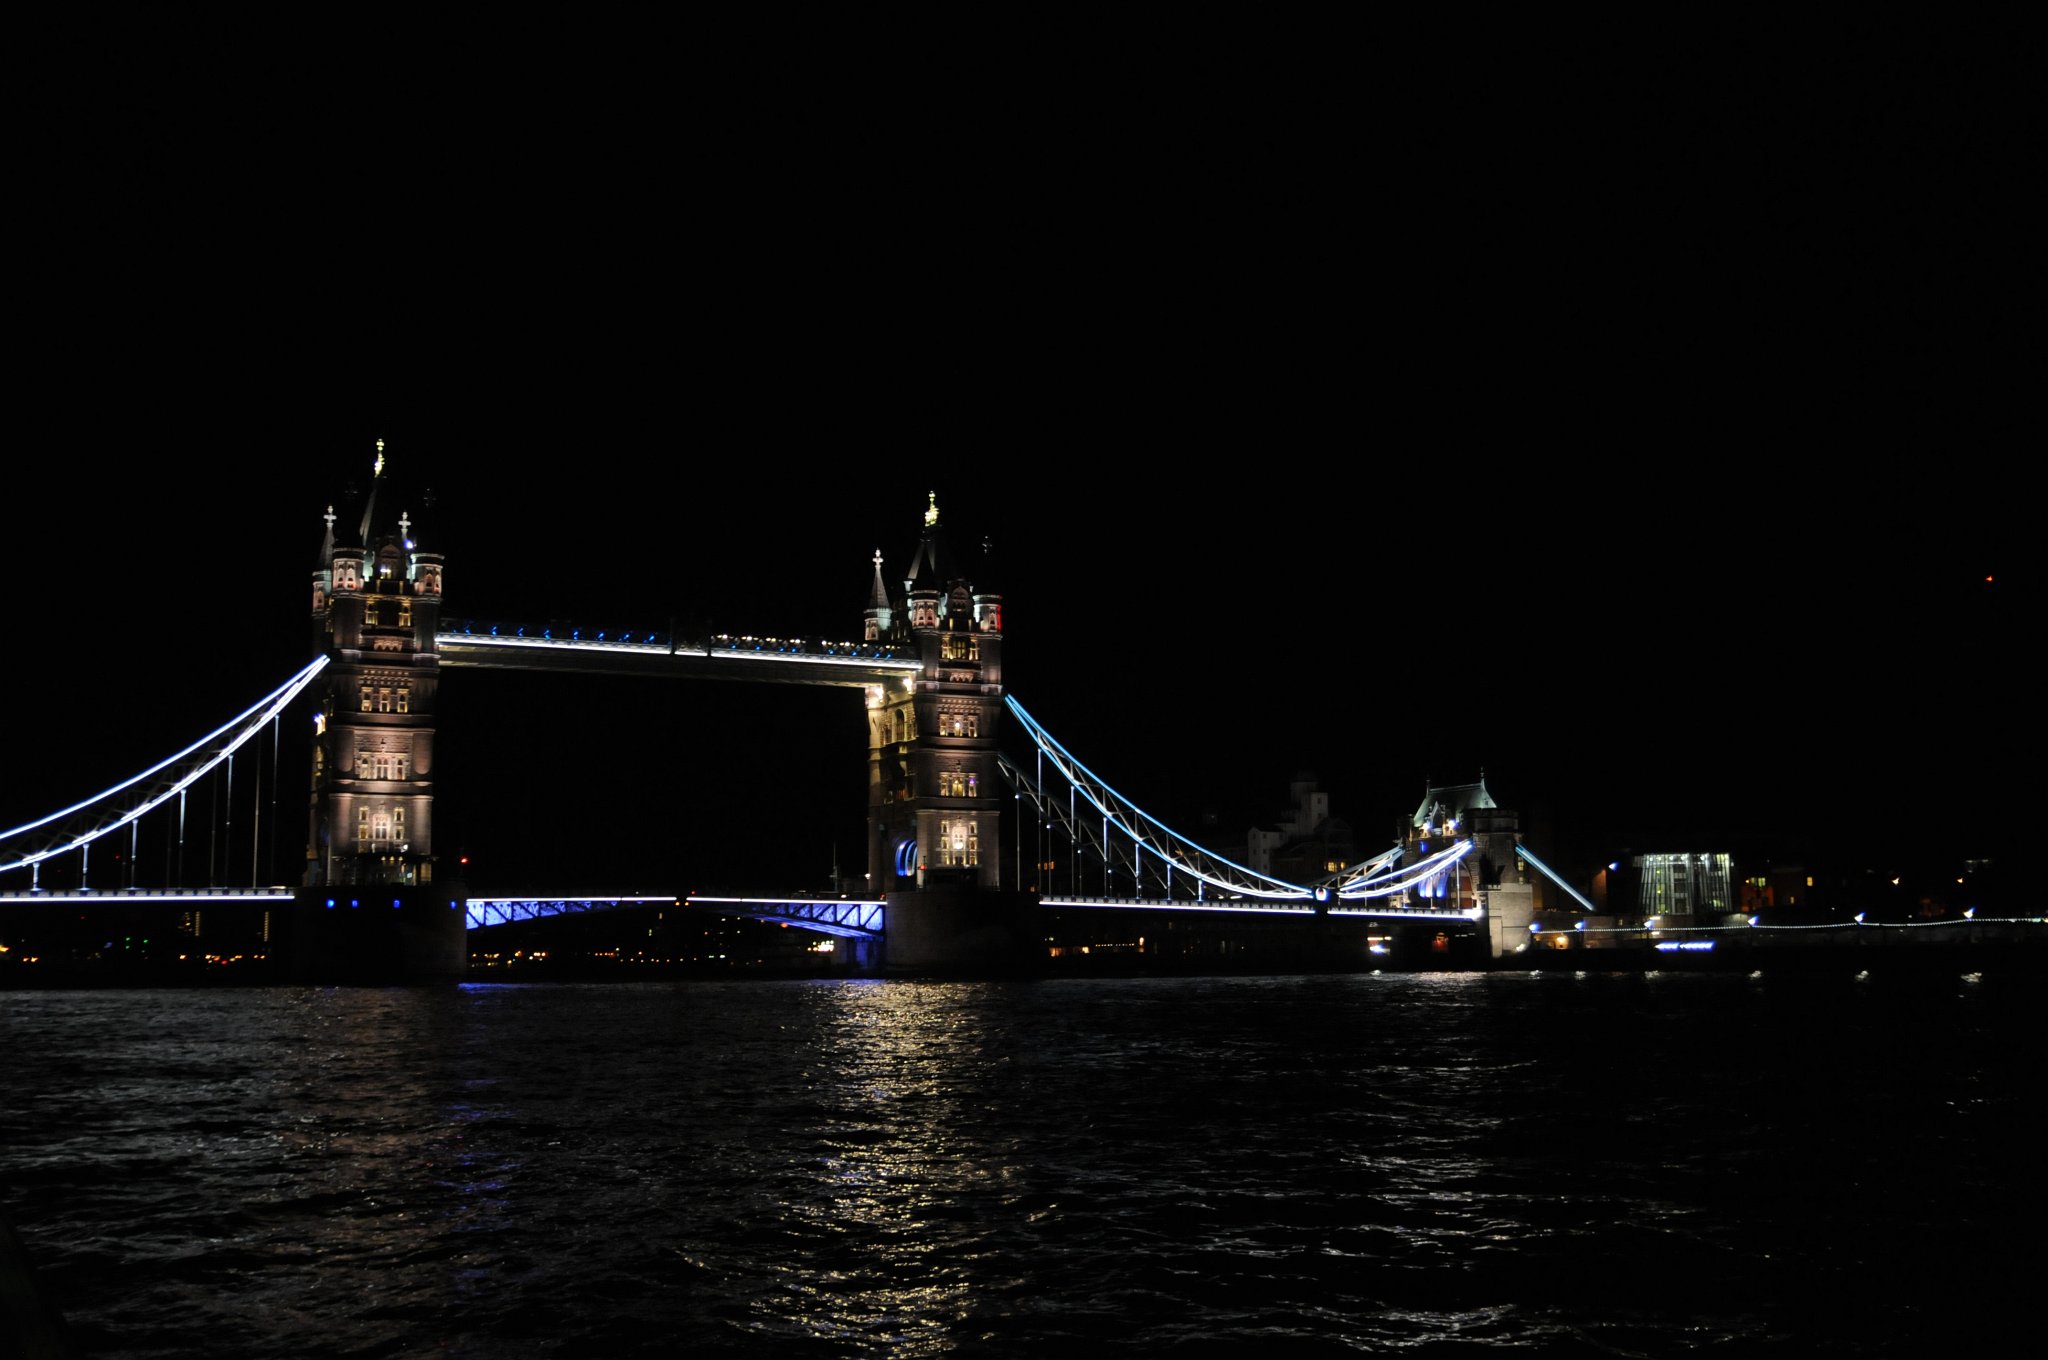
x=863, y=919
x=799, y=661
x=857, y=918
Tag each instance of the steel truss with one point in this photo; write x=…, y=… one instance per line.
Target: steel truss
x=111, y=809
x=1125, y=839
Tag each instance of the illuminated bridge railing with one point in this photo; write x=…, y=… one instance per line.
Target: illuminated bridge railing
x=1252, y=906
x=78, y=826
x=828, y=916
x=142, y=897
x=1130, y=845
x=502, y=911
x=510, y=646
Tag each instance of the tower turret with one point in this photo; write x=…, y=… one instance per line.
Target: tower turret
x=933, y=778
x=376, y=612
x=880, y=619
x=369, y=909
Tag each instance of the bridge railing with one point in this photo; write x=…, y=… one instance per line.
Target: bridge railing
x=656, y=641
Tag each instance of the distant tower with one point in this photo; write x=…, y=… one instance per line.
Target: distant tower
x=1450, y=813
x=376, y=608
x=1492, y=882
x=934, y=811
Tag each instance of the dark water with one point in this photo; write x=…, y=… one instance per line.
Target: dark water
x=1595, y=1164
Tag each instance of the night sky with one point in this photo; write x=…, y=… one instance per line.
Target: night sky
x=1637, y=425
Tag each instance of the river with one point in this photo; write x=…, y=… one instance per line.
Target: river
x=1598, y=1164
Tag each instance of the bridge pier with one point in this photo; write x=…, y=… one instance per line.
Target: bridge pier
x=373, y=935
x=963, y=930
x=1510, y=907
x=863, y=958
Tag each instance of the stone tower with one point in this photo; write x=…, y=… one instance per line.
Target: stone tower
x=1492, y=882
x=934, y=811
x=370, y=906
x=935, y=796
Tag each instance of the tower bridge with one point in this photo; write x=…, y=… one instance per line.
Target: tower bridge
x=965, y=844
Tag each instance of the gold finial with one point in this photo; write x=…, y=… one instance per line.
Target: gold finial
x=379, y=469
x=931, y=515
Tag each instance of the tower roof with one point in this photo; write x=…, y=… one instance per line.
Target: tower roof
x=878, y=594
x=1453, y=799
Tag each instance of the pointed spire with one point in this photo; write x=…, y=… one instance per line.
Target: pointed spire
x=878, y=596
x=370, y=503
x=931, y=514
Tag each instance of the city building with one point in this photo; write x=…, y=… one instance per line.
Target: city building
x=1673, y=889
x=1304, y=843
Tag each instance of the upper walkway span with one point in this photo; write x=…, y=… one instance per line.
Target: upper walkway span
x=578, y=651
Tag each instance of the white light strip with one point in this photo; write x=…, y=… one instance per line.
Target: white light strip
x=448, y=641
x=144, y=896
x=445, y=641
x=266, y=709
x=1258, y=884
x=1249, y=908
x=1552, y=874
x=1428, y=868
x=818, y=658
x=288, y=690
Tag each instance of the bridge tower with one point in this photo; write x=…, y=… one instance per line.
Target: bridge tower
x=934, y=801
x=369, y=907
x=1491, y=882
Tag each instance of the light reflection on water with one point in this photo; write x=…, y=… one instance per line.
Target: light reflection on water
x=1588, y=1162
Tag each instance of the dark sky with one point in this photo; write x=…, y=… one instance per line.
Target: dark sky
x=1635, y=419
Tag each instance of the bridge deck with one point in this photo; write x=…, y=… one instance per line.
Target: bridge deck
x=774, y=660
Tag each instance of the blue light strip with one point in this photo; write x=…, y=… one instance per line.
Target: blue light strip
x=854, y=919
x=843, y=917
x=1552, y=874
x=498, y=911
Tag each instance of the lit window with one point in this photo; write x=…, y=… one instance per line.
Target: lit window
x=959, y=842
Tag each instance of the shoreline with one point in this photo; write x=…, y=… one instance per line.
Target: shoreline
x=1891, y=957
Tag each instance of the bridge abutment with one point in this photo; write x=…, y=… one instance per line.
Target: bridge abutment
x=963, y=930
x=373, y=935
